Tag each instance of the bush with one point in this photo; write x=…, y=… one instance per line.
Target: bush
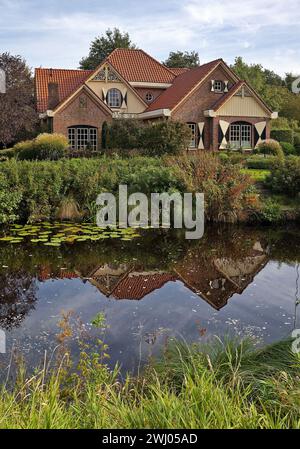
x=168, y=137
x=9, y=153
x=297, y=143
x=271, y=211
x=10, y=199
x=285, y=176
x=224, y=185
x=270, y=146
x=283, y=135
x=45, y=146
x=260, y=163
x=287, y=148
x=163, y=137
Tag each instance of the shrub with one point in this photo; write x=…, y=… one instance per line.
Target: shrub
x=285, y=176
x=9, y=153
x=45, y=146
x=270, y=146
x=271, y=211
x=10, y=199
x=260, y=163
x=287, y=148
x=224, y=186
x=166, y=137
x=123, y=134
x=283, y=135
x=153, y=139
x=297, y=143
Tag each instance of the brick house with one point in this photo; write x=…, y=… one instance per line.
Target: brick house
x=220, y=109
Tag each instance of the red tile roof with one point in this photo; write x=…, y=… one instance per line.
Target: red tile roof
x=137, y=286
x=179, y=70
x=182, y=86
x=68, y=81
x=136, y=65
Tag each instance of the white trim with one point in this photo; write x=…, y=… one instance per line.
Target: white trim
x=209, y=113
x=146, y=84
x=274, y=115
x=156, y=113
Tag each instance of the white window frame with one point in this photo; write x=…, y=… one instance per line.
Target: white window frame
x=240, y=135
x=114, y=98
x=193, y=142
x=218, y=86
x=80, y=137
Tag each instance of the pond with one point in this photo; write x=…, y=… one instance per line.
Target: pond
x=235, y=281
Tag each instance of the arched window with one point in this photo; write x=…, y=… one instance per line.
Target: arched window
x=83, y=137
x=114, y=98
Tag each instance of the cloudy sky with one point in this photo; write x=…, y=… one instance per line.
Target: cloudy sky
x=57, y=33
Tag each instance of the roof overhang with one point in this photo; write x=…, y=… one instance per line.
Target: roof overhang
x=155, y=114
x=150, y=85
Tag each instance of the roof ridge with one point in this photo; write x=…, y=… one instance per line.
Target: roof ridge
x=66, y=70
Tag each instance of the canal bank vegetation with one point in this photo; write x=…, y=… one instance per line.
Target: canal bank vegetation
x=226, y=385
x=33, y=191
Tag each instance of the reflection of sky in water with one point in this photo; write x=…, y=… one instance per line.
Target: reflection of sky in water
x=265, y=309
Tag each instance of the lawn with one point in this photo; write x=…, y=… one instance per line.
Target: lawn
x=256, y=175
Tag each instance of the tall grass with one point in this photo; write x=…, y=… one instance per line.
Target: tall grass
x=225, y=386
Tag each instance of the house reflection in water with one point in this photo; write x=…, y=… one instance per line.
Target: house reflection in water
x=214, y=279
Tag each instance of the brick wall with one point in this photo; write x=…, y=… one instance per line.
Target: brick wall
x=82, y=110
x=192, y=109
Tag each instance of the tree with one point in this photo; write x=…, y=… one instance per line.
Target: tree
x=103, y=45
x=17, y=107
x=182, y=59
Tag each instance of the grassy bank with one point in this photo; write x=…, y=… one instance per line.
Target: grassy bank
x=224, y=386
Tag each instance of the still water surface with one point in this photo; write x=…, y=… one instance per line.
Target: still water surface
x=235, y=281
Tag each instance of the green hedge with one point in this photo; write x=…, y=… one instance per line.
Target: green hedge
x=288, y=148
x=283, y=135
x=261, y=163
x=285, y=176
x=162, y=137
x=43, y=147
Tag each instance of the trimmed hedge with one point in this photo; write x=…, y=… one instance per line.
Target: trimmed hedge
x=270, y=146
x=154, y=139
x=283, y=135
x=287, y=148
x=285, y=176
x=261, y=163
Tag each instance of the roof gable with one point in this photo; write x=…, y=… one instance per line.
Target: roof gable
x=137, y=66
x=183, y=86
x=68, y=81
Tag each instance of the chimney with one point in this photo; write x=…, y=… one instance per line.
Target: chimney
x=53, y=97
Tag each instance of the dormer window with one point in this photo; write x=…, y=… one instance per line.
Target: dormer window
x=218, y=86
x=114, y=98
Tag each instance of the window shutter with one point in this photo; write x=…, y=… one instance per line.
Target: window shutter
x=124, y=99
x=260, y=129
x=104, y=95
x=212, y=85
x=226, y=86
x=201, y=141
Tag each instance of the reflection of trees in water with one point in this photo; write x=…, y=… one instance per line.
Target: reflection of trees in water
x=17, y=297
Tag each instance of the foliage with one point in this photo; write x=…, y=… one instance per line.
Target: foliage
x=283, y=135
x=287, y=148
x=168, y=137
x=285, y=176
x=245, y=388
x=260, y=163
x=284, y=123
x=9, y=201
x=297, y=143
x=270, y=146
x=271, y=211
x=17, y=112
x=45, y=146
x=182, y=59
x=257, y=175
x=155, y=138
x=223, y=185
x=103, y=45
